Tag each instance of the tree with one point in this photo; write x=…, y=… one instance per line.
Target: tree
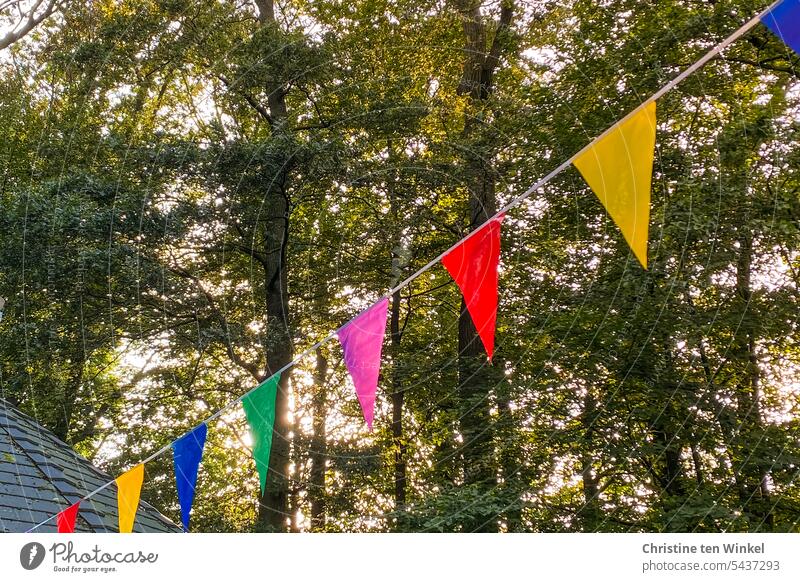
x=192, y=193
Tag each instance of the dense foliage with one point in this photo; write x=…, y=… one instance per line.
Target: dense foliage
x=194, y=192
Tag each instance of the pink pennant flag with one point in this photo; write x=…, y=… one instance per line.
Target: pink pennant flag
x=362, y=341
x=66, y=519
x=473, y=265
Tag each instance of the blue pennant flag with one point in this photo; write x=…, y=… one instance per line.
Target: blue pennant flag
x=784, y=21
x=187, y=452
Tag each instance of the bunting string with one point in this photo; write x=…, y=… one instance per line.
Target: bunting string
x=473, y=265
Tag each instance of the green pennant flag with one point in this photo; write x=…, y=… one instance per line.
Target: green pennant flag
x=259, y=407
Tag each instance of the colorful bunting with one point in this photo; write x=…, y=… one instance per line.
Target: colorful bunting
x=473, y=265
x=187, y=452
x=784, y=22
x=66, y=519
x=259, y=407
x=362, y=342
x=619, y=168
x=129, y=488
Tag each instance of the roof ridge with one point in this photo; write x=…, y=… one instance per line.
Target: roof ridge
x=65, y=471
x=5, y=420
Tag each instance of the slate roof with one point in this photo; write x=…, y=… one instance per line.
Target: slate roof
x=41, y=475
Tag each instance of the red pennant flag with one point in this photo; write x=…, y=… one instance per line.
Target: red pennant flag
x=473, y=265
x=66, y=519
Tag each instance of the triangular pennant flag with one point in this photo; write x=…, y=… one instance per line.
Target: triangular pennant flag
x=186, y=453
x=784, y=22
x=129, y=488
x=473, y=265
x=619, y=168
x=66, y=519
x=362, y=342
x=259, y=407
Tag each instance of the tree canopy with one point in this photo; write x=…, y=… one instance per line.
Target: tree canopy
x=194, y=192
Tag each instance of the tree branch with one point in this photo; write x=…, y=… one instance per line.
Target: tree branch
x=260, y=109
x=32, y=21
x=765, y=65
x=251, y=368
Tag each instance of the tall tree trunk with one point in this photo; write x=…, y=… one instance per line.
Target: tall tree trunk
x=398, y=394
x=508, y=446
x=590, y=512
x=274, y=507
x=475, y=376
x=295, y=485
x=475, y=385
x=672, y=477
x=319, y=443
x=667, y=427
x=665, y=418
x=755, y=471
x=399, y=263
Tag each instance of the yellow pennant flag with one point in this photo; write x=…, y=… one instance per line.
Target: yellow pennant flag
x=129, y=488
x=619, y=168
